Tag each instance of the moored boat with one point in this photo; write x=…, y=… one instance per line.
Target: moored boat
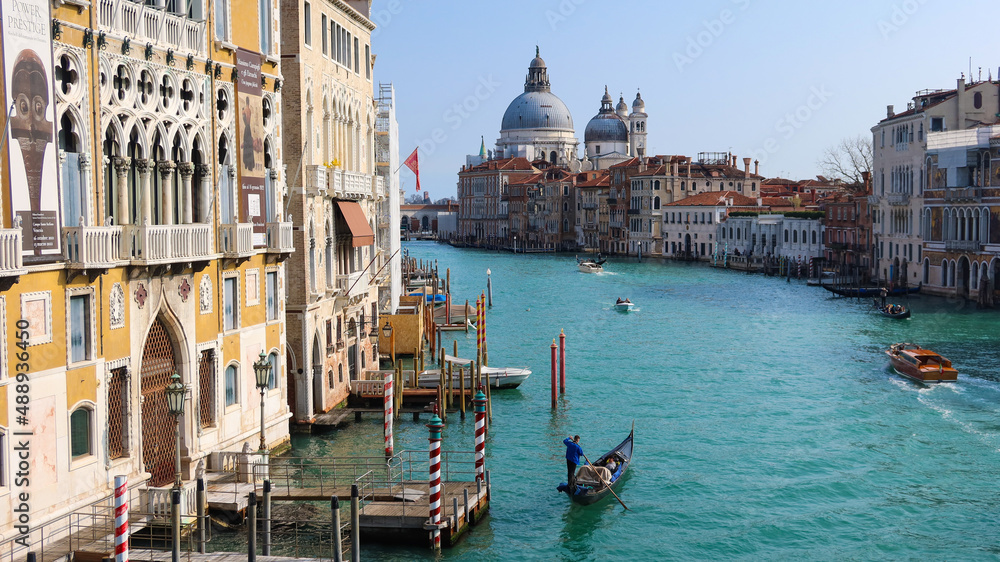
x=866, y=292
x=498, y=377
x=919, y=364
x=593, y=483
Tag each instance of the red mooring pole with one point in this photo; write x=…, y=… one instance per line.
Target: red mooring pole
x=562, y=362
x=553, y=373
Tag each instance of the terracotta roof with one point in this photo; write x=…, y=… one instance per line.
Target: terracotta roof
x=600, y=178
x=529, y=179
x=714, y=199
x=516, y=163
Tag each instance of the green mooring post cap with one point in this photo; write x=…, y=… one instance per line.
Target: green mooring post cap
x=435, y=422
x=480, y=396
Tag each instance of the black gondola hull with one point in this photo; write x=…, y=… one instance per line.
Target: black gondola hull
x=586, y=495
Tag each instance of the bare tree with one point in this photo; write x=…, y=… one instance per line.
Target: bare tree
x=847, y=159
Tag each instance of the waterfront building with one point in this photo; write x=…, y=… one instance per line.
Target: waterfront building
x=544, y=209
x=591, y=199
x=959, y=224
x=334, y=198
x=143, y=238
x=427, y=217
x=691, y=225
x=483, y=199
x=900, y=169
x=847, y=234
x=765, y=234
x=389, y=276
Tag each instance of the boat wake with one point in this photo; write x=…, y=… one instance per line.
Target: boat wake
x=991, y=439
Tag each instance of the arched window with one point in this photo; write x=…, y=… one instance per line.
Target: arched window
x=927, y=271
x=814, y=237
x=795, y=236
x=786, y=236
x=81, y=443
x=656, y=200
x=340, y=373
x=232, y=384
x=272, y=381
x=330, y=379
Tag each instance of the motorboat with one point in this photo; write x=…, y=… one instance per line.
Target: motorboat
x=624, y=306
x=919, y=364
x=498, y=377
x=588, y=266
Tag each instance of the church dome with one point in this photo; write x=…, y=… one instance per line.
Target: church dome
x=622, y=108
x=638, y=106
x=606, y=126
x=537, y=110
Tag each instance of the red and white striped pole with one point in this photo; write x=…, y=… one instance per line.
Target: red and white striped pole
x=435, y=483
x=480, y=403
x=388, y=414
x=121, y=519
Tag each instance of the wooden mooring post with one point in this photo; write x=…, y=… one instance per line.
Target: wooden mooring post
x=355, y=524
x=338, y=540
x=266, y=551
x=252, y=527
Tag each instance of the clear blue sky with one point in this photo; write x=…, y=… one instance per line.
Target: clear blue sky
x=777, y=80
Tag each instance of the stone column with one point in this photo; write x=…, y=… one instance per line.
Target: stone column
x=205, y=194
x=121, y=188
x=276, y=194
x=85, y=180
x=166, y=168
x=186, y=170
x=144, y=167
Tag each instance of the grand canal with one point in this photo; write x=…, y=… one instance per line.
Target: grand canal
x=768, y=423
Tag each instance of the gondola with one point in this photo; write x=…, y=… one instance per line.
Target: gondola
x=589, y=485
x=896, y=311
x=868, y=292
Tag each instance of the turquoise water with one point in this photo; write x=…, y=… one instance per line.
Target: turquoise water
x=768, y=423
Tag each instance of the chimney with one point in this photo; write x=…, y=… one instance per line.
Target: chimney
x=733, y=164
x=756, y=167
x=689, y=167
x=746, y=166
x=674, y=168
x=760, y=201
x=864, y=179
x=889, y=111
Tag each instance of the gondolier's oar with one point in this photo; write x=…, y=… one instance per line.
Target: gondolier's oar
x=605, y=482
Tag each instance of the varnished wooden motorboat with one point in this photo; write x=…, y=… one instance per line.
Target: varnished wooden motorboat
x=919, y=364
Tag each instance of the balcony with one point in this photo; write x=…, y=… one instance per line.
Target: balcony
x=236, y=240
x=971, y=194
x=962, y=245
x=144, y=23
x=380, y=191
x=633, y=211
x=10, y=252
x=93, y=247
x=589, y=205
x=353, y=285
x=873, y=200
x=167, y=244
x=612, y=201
x=899, y=199
x=279, y=238
x=349, y=185
x=316, y=179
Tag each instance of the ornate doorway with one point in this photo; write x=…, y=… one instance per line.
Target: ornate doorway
x=158, y=437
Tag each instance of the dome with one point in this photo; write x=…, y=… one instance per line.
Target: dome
x=537, y=110
x=622, y=108
x=638, y=106
x=606, y=127
x=537, y=62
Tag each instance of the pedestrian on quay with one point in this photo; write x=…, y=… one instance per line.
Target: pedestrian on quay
x=573, y=453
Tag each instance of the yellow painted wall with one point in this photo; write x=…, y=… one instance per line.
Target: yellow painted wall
x=245, y=18
x=4, y=421
x=208, y=325
x=81, y=384
x=112, y=344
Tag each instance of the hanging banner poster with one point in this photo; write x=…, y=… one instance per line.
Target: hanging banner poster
x=31, y=144
x=250, y=129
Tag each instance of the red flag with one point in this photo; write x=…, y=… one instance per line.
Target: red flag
x=412, y=164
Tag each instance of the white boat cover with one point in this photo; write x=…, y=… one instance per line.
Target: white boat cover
x=457, y=360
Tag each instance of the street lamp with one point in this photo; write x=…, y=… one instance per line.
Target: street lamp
x=175, y=403
x=387, y=333
x=262, y=372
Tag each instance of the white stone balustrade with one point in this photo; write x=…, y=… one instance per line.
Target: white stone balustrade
x=354, y=284
x=10, y=252
x=350, y=185
x=161, y=244
x=898, y=198
x=144, y=23
x=93, y=246
x=157, y=501
x=279, y=237
x=236, y=239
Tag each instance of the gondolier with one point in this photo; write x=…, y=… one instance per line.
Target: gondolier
x=573, y=453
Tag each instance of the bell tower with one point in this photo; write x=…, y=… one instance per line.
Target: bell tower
x=637, y=127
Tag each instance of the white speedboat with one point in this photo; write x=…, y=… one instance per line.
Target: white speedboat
x=624, y=306
x=590, y=267
x=499, y=377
